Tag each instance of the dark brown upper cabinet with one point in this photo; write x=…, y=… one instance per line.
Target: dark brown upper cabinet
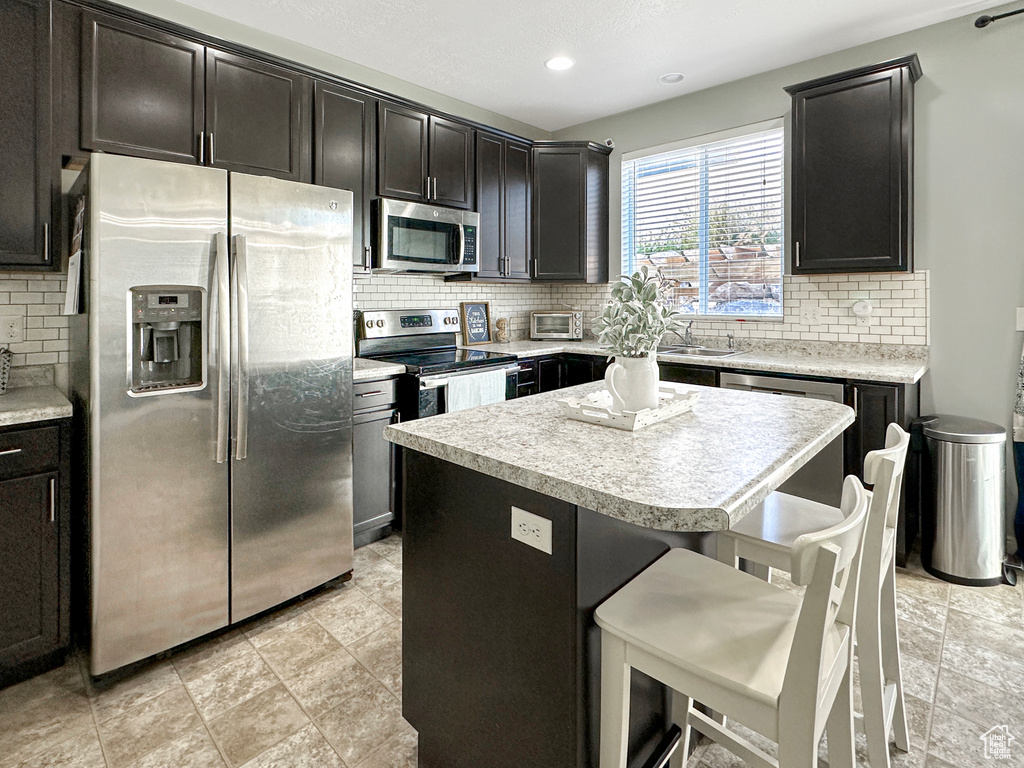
x=256, y=117
x=344, y=130
x=142, y=91
x=503, y=201
x=150, y=94
x=424, y=158
x=26, y=167
x=570, y=212
x=853, y=166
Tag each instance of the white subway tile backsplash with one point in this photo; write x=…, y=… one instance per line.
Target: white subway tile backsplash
x=900, y=307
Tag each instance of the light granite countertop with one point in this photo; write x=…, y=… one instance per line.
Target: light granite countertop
x=372, y=370
x=701, y=471
x=797, y=359
x=23, y=405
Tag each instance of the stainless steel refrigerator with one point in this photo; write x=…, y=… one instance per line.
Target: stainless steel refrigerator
x=212, y=367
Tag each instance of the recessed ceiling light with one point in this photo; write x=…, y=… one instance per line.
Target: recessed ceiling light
x=559, y=63
x=671, y=78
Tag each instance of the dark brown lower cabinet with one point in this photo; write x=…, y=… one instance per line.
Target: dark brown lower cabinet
x=688, y=374
x=374, y=473
x=877, y=406
x=34, y=569
x=550, y=373
x=583, y=369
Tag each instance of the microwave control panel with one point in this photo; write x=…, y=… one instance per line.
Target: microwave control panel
x=469, y=254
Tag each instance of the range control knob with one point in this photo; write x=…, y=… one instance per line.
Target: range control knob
x=380, y=323
x=369, y=323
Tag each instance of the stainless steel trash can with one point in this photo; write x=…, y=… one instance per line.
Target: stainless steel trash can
x=963, y=518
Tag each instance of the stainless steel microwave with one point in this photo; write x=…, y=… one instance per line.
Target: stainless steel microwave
x=556, y=325
x=413, y=237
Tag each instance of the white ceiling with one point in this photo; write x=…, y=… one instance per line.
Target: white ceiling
x=491, y=54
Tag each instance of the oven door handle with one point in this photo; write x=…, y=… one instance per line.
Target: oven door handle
x=460, y=249
x=436, y=383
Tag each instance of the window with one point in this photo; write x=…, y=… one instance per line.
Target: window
x=708, y=216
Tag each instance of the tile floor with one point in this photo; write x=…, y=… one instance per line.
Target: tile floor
x=319, y=684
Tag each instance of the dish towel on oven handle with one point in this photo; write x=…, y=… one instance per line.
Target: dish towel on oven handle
x=472, y=389
x=1018, y=458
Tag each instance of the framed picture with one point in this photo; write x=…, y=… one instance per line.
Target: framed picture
x=476, y=322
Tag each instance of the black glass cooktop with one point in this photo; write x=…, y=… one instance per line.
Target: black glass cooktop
x=438, y=360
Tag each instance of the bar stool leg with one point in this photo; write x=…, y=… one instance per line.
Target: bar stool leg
x=891, y=666
x=839, y=727
x=681, y=716
x=872, y=684
x=615, y=677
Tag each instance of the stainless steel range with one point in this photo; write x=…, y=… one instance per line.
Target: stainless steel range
x=425, y=342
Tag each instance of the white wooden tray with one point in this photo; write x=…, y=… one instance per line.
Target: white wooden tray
x=596, y=408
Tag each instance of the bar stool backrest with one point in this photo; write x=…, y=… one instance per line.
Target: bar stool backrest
x=824, y=562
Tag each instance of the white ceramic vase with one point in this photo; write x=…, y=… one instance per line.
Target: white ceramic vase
x=633, y=383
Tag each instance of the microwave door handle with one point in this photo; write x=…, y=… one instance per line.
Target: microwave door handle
x=461, y=247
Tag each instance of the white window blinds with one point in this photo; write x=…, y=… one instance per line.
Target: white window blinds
x=709, y=218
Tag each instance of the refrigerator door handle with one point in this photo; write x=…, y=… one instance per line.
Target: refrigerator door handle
x=222, y=327
x=241, y=314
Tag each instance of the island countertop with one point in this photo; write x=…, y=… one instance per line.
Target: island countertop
x=701, y=471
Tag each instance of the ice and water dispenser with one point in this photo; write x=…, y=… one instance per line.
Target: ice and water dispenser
x=166, y=327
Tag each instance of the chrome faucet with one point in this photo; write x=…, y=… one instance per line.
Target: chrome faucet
x=688, y=336
x=729, y=337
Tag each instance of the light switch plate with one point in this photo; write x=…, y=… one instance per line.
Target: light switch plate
x=810, y=316
x=12, y=329
x=531, y=529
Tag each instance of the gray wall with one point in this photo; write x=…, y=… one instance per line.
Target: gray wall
x=969, y=195
x=236, y=32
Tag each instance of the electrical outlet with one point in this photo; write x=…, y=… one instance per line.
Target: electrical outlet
x=531, y=529
x=863, y=321
x=12, y=329
x=810, y=316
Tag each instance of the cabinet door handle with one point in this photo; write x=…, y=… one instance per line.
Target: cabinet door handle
x=797, y=255
x=366, y=258
x=209, y=154
x=202, y=147
x=10, y=452
x=426, y=186
x=53, y=499
x=433, y=187
x=855, y=399
x=46, y=241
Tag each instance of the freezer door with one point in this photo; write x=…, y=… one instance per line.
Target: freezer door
x=291, y=466
x=158, y=497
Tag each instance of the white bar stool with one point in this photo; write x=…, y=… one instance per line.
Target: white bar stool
x=763, y=656
x=767, y=536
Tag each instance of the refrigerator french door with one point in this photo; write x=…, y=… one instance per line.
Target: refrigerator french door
x=213, y=360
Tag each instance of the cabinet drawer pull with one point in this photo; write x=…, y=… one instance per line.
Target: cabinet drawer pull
x=370, y=394
x=10, y=452
x=53, y=499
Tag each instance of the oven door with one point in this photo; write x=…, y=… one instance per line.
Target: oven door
x=432, y=389
x=411, y=237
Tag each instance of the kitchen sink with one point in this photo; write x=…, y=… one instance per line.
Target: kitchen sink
x=700, y=352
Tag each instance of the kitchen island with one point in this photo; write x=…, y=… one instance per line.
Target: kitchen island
x=500, y=651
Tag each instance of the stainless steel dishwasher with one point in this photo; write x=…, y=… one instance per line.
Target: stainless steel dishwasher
x=820, y=479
